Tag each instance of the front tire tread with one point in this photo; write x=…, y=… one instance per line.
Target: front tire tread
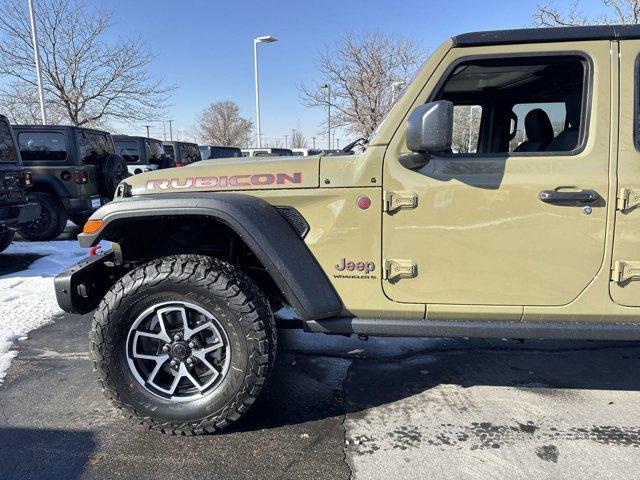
x=223, y=280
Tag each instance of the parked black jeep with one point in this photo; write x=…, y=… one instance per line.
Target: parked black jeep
x=208, y=152
x=75, y=171
x=142, y=154
x=183, y=153
x=15, y=208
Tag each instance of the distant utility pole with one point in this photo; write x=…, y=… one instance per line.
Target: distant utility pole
x=286, y=137
x=147, y=127
x=164, y=130
x=36, y=55
x=170, y=130
x=314, y=142
x=338, y=143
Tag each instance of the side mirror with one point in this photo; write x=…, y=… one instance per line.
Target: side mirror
x=430, y=127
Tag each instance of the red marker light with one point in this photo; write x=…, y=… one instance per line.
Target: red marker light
x=363, y=202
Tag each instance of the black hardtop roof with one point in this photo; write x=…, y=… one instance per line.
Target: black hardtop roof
x=59, y=127
x=545, y=35
x=209, y=145
x=133, y=137
x=176, y=142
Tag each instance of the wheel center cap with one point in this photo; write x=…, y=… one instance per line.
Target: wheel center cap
x=180, y=350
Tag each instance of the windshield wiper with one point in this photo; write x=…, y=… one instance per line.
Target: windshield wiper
x=360, y=141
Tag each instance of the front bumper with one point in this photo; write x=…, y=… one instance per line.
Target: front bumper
x=14, y=215
x=80, y=288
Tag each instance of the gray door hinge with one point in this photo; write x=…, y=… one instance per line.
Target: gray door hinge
x=395, y=269
x=625, y=271
x=396, y=200
x=628, y=198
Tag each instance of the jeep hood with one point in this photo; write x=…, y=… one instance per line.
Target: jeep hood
x=230, y=174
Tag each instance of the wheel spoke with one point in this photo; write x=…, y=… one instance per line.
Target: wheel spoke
x=217, y=344
x=201, y=356
x=186, y=373
x=159, y=363
x=188, y=332
x=161, y=321
x=156, y=336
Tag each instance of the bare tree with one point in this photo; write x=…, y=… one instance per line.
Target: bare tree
x=221, y=124
x=466, y=127
x=626, y=12
x=298, y=140
x=87, y=78
x=361, y=71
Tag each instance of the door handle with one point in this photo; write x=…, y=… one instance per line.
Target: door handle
x=582, y=196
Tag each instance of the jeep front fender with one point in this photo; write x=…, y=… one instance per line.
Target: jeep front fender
x=265, y=231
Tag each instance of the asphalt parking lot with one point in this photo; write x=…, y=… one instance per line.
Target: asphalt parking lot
x=343, y=408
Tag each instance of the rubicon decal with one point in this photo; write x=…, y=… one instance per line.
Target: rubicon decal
x=225, y=181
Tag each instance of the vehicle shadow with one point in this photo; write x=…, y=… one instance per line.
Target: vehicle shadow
x=44, y=453
x=307, y=387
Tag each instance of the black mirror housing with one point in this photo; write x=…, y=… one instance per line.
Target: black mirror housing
x=430, y=127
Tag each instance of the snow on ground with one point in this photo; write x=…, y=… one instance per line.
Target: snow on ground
x=27, y=298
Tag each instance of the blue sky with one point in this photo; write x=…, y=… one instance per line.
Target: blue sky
x=206, y=46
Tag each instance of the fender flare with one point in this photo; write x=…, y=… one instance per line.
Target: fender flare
x=52, y=182
x=271, y=238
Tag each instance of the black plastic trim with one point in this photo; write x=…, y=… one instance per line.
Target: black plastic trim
x=477, y=329
x=260, y=225
x=80, y=287
x=547, y=35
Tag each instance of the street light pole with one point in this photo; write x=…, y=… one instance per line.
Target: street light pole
x=286, y=137
x=170, y=130
x=328, y=87
x=147, y=127
x=256, y=41
x=36, y=55
x=164, y=130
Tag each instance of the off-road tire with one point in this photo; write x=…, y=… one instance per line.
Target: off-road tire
x=243, y=313
x=6, y=237
x=78, y=219
x=51, y=222
x=110, y=173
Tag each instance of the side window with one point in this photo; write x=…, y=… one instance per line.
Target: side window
x=43, y=146
x=556, y=112
x=128, y=149
x=168, y=150
x=94, y=147
x=183, y=152
x=7, y=147
x=466, y=128
x=156, y=150
x=518, y=105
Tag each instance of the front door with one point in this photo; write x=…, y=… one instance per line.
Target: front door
x=515, y=213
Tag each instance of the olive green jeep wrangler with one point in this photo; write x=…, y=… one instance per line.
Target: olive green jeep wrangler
x=75, y=171
x=499, y=198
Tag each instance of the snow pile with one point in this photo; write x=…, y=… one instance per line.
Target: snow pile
x=27, y=298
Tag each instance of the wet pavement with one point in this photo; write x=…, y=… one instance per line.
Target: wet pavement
x=344, y=408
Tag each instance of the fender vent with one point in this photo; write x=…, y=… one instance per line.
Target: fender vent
x=296, y=220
